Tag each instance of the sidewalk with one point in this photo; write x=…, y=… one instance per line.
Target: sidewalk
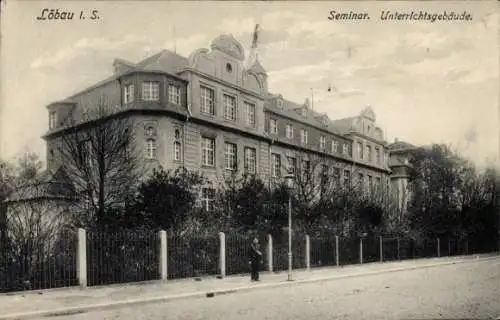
x=35, y=304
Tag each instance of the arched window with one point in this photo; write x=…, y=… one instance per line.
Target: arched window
x=177, y=151
x=151, y=148
x=177, y=146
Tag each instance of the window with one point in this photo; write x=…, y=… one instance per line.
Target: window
x=336, y=174
x=345, y=149
x=151, y=91
x=303, y=136
x=150, y=131
x=303, y=111
x=276, y=165
x=306, y=167
x=177, y=151
x=229, y=68
x=335, y=146
x=289, y=131
x=52, y=120
x=207, y=100
x=208, y=151
x=360, y=179
x=370, y=183
x=369, y=153
x=207, y=198
x=230, y=158
x=273, y=126
x=128, y=93
x=377, y=155
x=347, y=178
x=250, y=160
x=292, y=165
x=85, y=149
x=360, y=150
x=322, y=143
x=378, y=182
x=279, y=103
x=229, y=108
x=151, y=148
x=325, y=169
x=174, y=94
x=250, y=109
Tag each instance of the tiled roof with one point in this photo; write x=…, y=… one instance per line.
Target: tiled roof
x=165, y=61
x=290, y=109
x=401, y=145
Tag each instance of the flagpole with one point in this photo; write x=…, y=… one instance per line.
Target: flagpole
x=312, y=98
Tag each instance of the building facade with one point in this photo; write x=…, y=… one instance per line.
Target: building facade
x=207, y=112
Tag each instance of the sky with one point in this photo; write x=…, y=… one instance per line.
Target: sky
x=427, y=82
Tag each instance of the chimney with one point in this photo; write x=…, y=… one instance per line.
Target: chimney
x=396, y=140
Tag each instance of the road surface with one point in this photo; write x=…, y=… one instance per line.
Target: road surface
x=459, y=291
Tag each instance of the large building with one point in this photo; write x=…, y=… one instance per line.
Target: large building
x=208, y=112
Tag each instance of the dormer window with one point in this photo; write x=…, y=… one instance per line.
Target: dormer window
x=128, y=93
x=303, y=112
x=151, y=91
x=52, y=119
x=279, y=103
x=174, y=94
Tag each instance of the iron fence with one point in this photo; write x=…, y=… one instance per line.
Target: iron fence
x=371, y=249
x=39, y=263
x=193, y=257
x=348, y=251
x=238, y=253
x=280, y=252
x=122, y=257
x=390, y=249
x=323, y=251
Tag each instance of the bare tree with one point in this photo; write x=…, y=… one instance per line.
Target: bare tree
x=100, y=155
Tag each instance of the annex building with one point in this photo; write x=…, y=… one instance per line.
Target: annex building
x=208, y=112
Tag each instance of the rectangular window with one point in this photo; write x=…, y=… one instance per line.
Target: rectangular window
x=207, y=100
x=128, y=93
x=177, y=151
x=306, y=167
x=291, y=165
x=151, y=91
x=335, y=146
x=208, y=151
x=336, y=174
x=322, y=143
x=378, y=183
x=230, y=156
x=345, y=149
x=369, y=153
x=370, y=183
x=360, y=180
x=85, y=149
x=208, y=198
x=377, y=155
x=250, y=160
x=151, y=149
x=347, y=178
x=52, y=120
x=289, y=131
x=229, y=107
x=303, y=136
x=276, y=165
x=360, y=150
x=250, y=109
x=273, y=126
x=174, y=94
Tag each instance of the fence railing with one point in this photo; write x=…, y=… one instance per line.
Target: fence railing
x=96, y=258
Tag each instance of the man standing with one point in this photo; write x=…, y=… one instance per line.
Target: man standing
x=255, y=257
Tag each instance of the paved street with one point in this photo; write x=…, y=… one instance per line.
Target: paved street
x=470, y=290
